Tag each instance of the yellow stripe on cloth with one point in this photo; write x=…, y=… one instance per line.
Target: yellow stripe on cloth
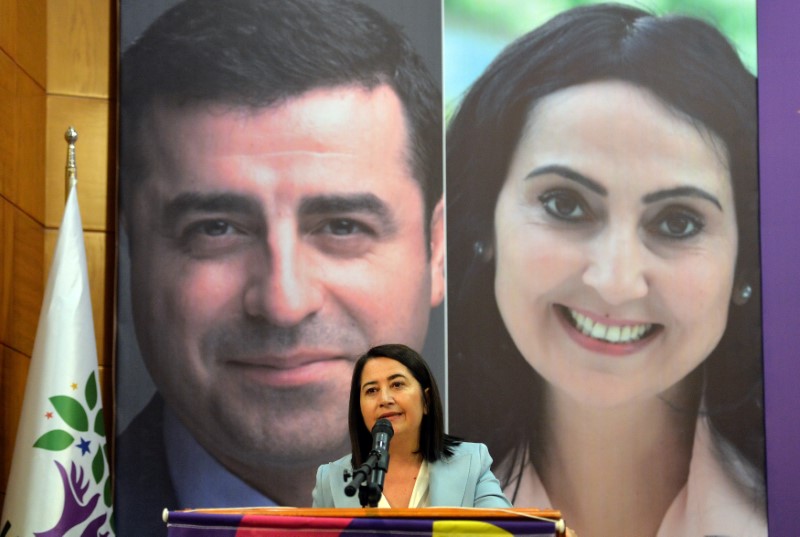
x=466, y=527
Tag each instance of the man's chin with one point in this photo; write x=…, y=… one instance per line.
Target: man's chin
x=290, y=440
x=292, y=429
x=287, y=452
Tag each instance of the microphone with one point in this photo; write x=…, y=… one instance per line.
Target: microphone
x=382, y=432
x=375, y=467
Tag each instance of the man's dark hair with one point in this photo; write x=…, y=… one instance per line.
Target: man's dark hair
x=258, y=53
x=433, y=442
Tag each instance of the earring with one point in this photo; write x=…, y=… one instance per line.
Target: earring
x=742, y=295
x=482, y=251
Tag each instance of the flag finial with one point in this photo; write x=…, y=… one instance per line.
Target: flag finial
x=71, y=136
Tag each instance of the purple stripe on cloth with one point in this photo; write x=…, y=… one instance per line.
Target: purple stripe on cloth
x=203, y=519
x=199, y=531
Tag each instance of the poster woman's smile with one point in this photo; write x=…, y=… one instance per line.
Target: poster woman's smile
x=605, y=335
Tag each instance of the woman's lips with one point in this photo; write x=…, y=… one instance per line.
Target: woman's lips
x=609, y=337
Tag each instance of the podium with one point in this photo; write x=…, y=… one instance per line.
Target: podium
x=308, y=522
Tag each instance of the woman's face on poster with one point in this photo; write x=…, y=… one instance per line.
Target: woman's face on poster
x=615, y=243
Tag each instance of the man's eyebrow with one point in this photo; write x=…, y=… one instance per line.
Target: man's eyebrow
x=568, y=173
x=366, y=202
x=222, y=202
x=681, y=192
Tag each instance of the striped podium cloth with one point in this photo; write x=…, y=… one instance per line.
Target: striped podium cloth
x=433, y=521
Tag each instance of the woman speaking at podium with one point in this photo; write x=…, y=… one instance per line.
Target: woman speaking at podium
x=426, y=467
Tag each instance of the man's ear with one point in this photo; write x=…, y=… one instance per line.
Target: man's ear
x=437, y=250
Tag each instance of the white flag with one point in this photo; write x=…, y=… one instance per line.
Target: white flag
x=60, y=482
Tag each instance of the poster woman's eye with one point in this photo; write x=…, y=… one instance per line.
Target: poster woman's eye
x=566, y=205
x=677, y=223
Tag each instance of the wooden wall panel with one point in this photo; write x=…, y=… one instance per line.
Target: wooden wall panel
x=101, y=282
x=13, y=375
x=23, y=288
x=28, y=179
x=31, y=38
x=8, y=27
x=23, y=167
x=8, y=105
x=81, y=47
x=6, y=268
x=92, y=119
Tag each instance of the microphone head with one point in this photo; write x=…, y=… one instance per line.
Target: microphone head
x=383, y=426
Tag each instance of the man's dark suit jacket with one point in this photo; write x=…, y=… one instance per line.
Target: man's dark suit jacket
x=143, y=487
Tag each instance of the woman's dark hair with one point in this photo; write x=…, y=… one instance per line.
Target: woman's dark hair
x=433, y=442
x=690, y=67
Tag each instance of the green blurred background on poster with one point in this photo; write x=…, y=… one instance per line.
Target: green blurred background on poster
x=475, y=31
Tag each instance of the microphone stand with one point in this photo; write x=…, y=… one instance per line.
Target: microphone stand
x=368, y=478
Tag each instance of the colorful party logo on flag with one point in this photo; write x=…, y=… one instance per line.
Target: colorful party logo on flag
x=79, y=463
x=79, y=506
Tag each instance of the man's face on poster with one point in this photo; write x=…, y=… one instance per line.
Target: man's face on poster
x=270, y=247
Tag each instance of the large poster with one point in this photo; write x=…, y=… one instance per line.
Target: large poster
x=604, y=293
x=603, y=270
x=281, y=213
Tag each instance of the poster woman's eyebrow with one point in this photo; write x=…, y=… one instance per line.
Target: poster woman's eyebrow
x=682, y=192
x=215, y=202
x=568, y=173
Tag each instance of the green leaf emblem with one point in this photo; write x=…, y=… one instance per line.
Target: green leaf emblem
x=99, y=423
x=54, y=440
x=71, y=411
x=91, y=391
x=98, y=466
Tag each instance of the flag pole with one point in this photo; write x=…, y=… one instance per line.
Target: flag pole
x=71, y=175
x=60, y=477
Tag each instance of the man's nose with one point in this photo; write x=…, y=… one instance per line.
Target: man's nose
x=616, y=266
x=284, y=290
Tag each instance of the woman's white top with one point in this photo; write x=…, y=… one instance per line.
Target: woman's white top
x=419, y=496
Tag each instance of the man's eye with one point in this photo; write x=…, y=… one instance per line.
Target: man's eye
x=565, y=205
x=213, y=228
x=343, y=237
x=343, y=227
x=677, y=223
x=212, y=237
